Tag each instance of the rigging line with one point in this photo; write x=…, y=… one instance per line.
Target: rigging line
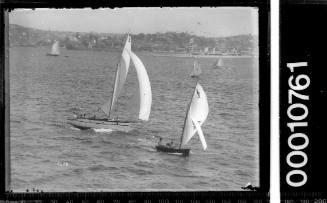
x=113, y=91
x=188, y=107
x=117, y=114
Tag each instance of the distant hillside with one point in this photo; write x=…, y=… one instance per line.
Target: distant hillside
x=169, y=41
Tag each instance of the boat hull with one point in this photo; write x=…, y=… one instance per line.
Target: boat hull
x=163, y=148
x=86, y=124
x=49, y=54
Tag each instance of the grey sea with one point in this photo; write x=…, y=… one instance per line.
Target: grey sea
x=50, y=155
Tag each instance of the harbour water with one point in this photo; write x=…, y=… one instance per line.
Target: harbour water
x=50, y=155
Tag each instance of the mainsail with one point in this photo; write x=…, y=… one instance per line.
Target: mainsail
x=55, y=48
x=121, y=74
x=145, y=88
x=196, y=115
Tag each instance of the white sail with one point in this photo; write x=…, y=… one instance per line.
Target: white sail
x=121, y=74
x=197, y=113
x=219, y=63
x=145, y=88
x=196, y=69
x=55, y=48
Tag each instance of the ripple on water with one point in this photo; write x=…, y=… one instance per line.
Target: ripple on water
x=49, y=90
x=241, y=173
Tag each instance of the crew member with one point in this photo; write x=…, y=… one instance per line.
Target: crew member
x=171, y=144
x=160, y=140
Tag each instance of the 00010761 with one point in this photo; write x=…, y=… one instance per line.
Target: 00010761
x=297, y=121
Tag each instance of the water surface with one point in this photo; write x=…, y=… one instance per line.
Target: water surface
x=48, y=154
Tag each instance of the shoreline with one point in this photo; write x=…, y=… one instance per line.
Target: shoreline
x=156, y=54
x=201, y=56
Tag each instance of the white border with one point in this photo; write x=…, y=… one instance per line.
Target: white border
x=274, y=103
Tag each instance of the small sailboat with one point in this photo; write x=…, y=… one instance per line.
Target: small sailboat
x=110, y=108
x=196, y=115
x=54, y=49
x=219, y=63
x=196, y=69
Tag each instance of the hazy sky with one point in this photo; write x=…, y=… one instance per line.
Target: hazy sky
x=210, y=22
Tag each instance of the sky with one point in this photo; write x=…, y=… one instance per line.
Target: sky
x=208, y=22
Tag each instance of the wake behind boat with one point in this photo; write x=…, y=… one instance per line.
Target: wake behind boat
x=110, y=108
x=196, y=115
x=54, y=49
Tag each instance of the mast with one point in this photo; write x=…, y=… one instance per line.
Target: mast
x=113, y=90
x=189, y=104
x=117, y=73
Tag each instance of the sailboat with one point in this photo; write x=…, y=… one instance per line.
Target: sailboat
x=54, y=49
x=110, y=108
x=196, y=115
x=219, y=63
x=196, y=69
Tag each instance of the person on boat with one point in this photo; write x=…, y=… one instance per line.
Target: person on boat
x=92, y=117
x=160, y=140
x=170, y=145
x=75, y=116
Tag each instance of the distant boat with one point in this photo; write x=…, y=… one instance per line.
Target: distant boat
x=196, y=69
x=219, y=63
x=196, y=115
x=111, y=107
x=54, y=49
